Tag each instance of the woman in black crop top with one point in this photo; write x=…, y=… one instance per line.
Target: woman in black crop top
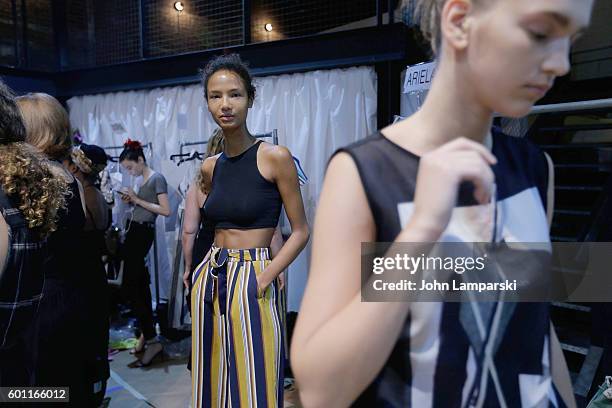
x=419, y=181
x=236, y=313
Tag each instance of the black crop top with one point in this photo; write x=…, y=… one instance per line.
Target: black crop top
x=240, y=197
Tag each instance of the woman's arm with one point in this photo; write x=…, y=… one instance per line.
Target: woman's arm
x=191, y=224
x=277, y=242
x=82, y=195
x=285, y=176
x=275, y=247
x=340, y=343
x=163, y=208
x=3, y=243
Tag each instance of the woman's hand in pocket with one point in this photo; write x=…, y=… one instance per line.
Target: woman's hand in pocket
x=187, y=276
x=281, y=281
x=262, y=285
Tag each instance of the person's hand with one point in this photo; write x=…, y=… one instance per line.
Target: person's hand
x=281, y=280
x=124, y=196
x=262, y=285
x=132, y=197
x=440, y=173
x=187, y=276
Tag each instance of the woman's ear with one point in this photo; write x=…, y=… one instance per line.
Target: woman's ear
x=455, y=23
x=251, y=101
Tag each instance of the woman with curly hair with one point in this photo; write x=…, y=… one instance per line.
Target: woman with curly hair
x=87, y=162
x=63, y=311
x=30, y=197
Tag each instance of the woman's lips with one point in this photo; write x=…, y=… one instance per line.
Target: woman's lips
x=538, y=90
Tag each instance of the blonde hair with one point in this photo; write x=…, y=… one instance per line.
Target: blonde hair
x=214, y=146
x=427, y=15
x=24, y=173
x=47, y=124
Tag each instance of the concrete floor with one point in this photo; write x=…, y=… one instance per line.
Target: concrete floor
x=165, y=384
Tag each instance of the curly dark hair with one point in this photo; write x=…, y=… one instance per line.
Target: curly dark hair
x=25, y=174
x=229, y=62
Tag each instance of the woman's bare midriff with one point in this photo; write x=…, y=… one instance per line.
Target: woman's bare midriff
x=243, y=239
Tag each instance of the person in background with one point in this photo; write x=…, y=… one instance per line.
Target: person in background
x=198, y=232
x=30, y=197
x=63, y=311
x=88, y=161
x=151, y=201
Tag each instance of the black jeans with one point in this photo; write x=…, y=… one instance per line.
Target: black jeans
x=136, y=278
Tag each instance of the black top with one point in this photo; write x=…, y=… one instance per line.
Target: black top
x=21, y=279
x=66, y=243
x=240, y=197
x=438, y=359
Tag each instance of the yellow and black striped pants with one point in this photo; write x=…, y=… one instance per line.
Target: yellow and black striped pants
x=237, y=332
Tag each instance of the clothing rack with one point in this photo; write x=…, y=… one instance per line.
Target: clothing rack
x=273, y=135
x=185, y=157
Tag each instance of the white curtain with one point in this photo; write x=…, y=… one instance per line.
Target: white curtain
x=315, y=113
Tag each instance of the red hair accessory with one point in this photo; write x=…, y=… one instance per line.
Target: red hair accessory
x=132, y=144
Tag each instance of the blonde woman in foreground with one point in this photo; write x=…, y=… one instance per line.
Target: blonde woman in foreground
x=402, y=184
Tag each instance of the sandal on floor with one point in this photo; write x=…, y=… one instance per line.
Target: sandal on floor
x=139, y=363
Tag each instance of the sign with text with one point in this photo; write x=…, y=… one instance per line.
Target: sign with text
x=418, y=77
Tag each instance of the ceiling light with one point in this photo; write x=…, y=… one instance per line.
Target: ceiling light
x=268, y=27
x=179, y=6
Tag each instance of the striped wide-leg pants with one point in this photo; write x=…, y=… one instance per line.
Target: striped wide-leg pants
x=237, y=332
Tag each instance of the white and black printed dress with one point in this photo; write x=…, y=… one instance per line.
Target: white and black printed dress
x=439, y=359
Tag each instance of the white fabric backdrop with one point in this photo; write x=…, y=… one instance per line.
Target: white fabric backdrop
x=315, y=114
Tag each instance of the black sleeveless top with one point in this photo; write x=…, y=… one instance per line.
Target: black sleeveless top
x=437, y=360
x=240, y=197
x=21, y=280
x=66, y=244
